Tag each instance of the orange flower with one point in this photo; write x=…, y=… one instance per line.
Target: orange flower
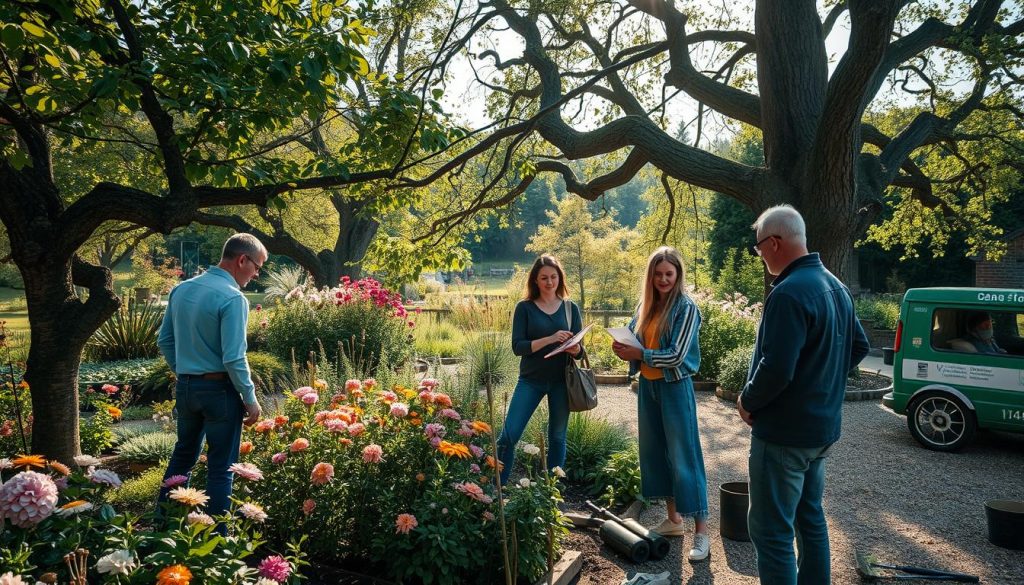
x=245, y=448
x=29, y=461
x=280, y=421
x=492, y=463
x=481, y=427
x=60, y=468
x=298, y=425
x=174, y=575
x=454, y=450
x=114, y=411
x=420, y=476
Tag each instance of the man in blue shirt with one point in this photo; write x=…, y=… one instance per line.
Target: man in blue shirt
x=203, y=339
x=808, y=341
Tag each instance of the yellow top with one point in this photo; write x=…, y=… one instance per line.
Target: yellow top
x=651, y=342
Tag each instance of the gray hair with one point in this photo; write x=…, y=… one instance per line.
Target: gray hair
x=783, y=221
x=242, y=245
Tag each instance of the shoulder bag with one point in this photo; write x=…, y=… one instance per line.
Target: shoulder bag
x=579, y=378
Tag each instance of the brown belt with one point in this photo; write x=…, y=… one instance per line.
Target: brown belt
x=208, y=376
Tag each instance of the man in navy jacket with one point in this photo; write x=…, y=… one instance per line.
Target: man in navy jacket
x=808, y=341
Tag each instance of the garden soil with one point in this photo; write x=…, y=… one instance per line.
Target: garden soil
x=884, y=495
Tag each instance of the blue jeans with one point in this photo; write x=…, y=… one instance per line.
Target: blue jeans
x=210, y=409
x=525, y=398
x=786, y=487
x=671, y=459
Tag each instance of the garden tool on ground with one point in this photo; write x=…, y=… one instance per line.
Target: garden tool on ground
x=659, y=545
x=869, y=569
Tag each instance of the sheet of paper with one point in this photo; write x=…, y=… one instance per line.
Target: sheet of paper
x=570, y=342
x=624, y=336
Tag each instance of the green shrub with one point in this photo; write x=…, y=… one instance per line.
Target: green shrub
x=256, y=329
x=147, y=448
x=17, y=346
x=590, y=442
x=599, y=350
x=129, y=334
x=127, y=430
x=439, y=339
x=883, y=312
x=618, y=482
x=157, y=385
x=138, y=494
x=725, y=325
x=490, y=359
x=119, y=371
x=268, y=372
x=741, y=273
x=366, y=322
x=14, y=400
x=279, y=282
x=95, y=432
x=137, y=412
x=735, y=366
x=10, y=275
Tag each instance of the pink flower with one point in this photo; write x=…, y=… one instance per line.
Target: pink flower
x=308, y=506
x=373, y=454
x=28, y=498
x=428, y=383
x=399, y=410
x=106, y=477
x=388, y=396
x=356, y=429
x=322, y=473
x=473, y=491
x=175, y=481
x=246, y=470
x=474, y=468
x=465, y=430
x=426, y=396
x=310, y=399
x=109, y=389
x=253, y=512
x=300, y=392
x=477, y=451
x=275, y=567
x=449, y=413
x=435, y=441
x=488, y=516
x=279, y=458
x=369, y=383
x=264, y=426
x=434, y=430
x=336, y=425
x=404, y=523
x=299, y=445
x=443, y=400
x=351, y=385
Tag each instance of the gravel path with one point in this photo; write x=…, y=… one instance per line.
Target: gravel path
x=884, y=495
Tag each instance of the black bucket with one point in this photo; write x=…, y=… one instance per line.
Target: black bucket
x=735, y=499
x=1005, y=523
x=888, y=356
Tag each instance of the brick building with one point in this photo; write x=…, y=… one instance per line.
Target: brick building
x=1006, y=273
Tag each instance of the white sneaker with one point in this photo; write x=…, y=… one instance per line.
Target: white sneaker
x=670, y=528
x=701, y=547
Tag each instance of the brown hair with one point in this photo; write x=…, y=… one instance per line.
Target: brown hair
x=532, y=291
x=650, y=307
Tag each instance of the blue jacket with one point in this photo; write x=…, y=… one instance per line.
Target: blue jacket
x=808, y=341
x=679, y=353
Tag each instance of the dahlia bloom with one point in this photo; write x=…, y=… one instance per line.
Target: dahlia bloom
x=399, y=410
x=299, y=445
x=246, y=470
x=189, y=496
x=86, y=461
x=434, y=430
x=351, y=385
x=474, y=491
x=388, y=396
x=310, y=399
x=245, y=448
x=28, y=498
x=174, y=575
x=477, y=451
x=404, y=523
x=428, y=383
x=11, y=579
x=264, y=426
x=449, y=413
x=443, y=400
x=299, y=393
x=105, y=476
x=253, y=512
x=119, y=562
x=373, y=454
x=322, y=473
x=199, y=518
x=308, y=506
x=279, y=458
x=275, y=567
x=356, y=429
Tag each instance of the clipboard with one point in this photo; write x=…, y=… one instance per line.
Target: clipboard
x=624, y=336
x=570, y=342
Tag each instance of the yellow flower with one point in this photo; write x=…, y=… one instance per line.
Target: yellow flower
x=174, y=575
x=29, y=461
x=454, y=450
x=189, y=496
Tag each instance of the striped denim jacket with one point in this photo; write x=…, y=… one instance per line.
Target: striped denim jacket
x=679, y=353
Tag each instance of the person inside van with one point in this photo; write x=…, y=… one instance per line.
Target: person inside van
x=979, y=333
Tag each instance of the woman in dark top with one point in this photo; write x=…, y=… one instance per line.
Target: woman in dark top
x=539, y=325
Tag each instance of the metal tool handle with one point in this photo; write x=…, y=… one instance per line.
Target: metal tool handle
x=932, y=573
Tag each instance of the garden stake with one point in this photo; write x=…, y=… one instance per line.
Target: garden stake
x=497, y=483
x=868, y=568
x=551, y=536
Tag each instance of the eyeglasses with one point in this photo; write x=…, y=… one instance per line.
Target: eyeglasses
x=258, y=266
x=757, y=247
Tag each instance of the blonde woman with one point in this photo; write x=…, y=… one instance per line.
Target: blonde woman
x=671, y=461
x=543, y=320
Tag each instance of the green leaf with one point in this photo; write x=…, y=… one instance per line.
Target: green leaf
x=437, y=93
x=33, y=29
x=207, y=547
x=19, y=159
x=12, y=36
x=362, y=65
x=52, y=60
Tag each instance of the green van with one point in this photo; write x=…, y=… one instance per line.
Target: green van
x=951, y=376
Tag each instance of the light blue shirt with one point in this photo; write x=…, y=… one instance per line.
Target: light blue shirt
x=204, y=329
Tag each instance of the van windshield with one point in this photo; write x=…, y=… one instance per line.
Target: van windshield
x=974, y=331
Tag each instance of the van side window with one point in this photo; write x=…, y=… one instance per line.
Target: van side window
x=974, y=331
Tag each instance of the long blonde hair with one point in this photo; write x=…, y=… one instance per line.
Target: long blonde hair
x=650, y=308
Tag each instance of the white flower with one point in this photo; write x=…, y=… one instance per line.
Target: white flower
x=524, y=482
x=86, y=461
x=253, y=512
x=200, y=518
x=75, y=507
x=558, y=471
x=120, y=562
x=11, y=579
x=531, y=449
x=4, y=463
x=105, y=476
x=266, y=581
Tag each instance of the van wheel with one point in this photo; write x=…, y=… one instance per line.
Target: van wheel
x=941, y=422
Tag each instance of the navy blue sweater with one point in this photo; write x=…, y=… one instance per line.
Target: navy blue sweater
x=529, y=322
x=808, y=340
